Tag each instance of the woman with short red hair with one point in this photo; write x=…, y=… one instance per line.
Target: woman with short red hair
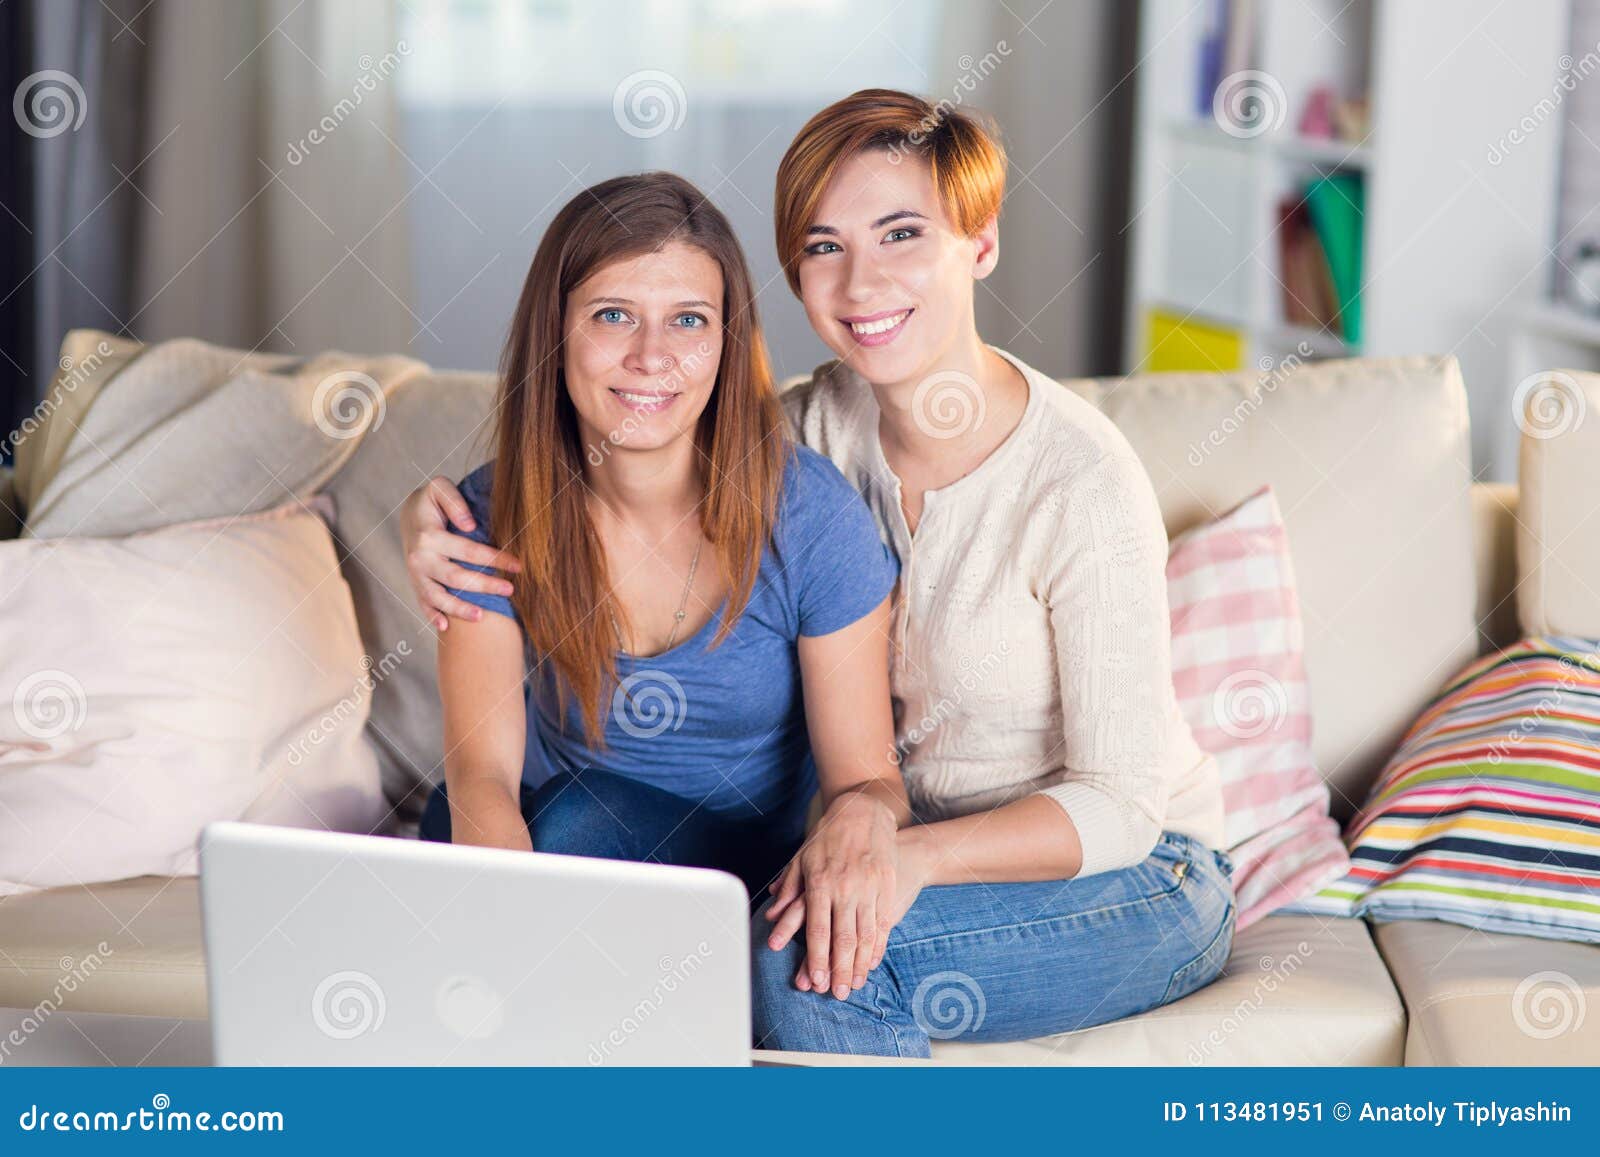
x=1062, y=867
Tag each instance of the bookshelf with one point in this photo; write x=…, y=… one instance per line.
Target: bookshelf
x=1446, y=244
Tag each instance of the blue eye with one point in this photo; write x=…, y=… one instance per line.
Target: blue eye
x=903, y=234
x=818, y=247
x=611, y=316
x=697, y=321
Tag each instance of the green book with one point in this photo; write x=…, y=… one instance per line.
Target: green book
x=1335, y=203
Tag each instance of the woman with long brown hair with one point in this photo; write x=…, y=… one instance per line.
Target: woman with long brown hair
x=696, y=637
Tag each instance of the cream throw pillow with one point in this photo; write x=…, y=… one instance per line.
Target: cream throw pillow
x=153, y=683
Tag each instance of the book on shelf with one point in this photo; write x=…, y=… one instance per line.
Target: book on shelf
x=1239, y=48
x=1309, y=296
x=1211, y=45
x=1178, y=342
x=1226, y=46
x=1319, y=255
x=1335, y=203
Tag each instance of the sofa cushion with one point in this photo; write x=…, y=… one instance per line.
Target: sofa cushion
x=1371, y=463
x=135, y=437
x=1491, y=998
x=132, y=947
x=436, y=423
x=1558, y=534
x=184, y=430
x=170, y=678
x=1489, y=813
x=89, y=358
x=1298, y=990
x=1238, y=663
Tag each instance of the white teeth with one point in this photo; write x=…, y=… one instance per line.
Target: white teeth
x=882, y=325
x=643, y=399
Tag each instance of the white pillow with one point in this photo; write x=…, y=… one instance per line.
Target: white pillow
x=153, y=683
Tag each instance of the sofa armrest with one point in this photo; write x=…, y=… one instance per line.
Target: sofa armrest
x=1494, y=545
x=1558, y=523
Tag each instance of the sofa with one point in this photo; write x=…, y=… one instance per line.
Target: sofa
x=1407, y=567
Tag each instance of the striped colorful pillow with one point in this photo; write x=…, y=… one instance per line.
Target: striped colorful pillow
x=1488, y=814
x=1239, y=669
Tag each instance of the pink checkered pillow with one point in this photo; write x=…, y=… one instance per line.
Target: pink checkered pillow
x=1239, y=669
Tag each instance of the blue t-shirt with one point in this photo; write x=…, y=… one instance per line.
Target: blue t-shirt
x=724, y=727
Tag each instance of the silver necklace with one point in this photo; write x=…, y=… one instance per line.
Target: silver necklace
x=683, y=603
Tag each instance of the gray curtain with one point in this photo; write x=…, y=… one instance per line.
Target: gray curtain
x=161, y=202
x=75, y=72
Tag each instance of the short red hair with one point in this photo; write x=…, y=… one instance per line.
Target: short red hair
x=964, y=152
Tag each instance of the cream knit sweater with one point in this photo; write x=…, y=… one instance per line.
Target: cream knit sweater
x=1032, y=644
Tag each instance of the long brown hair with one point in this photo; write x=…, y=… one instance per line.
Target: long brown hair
x=539, y=512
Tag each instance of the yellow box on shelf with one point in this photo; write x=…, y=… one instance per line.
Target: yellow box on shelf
x=1175, y=343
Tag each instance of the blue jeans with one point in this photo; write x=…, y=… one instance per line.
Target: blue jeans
x=612, y=817
x=1004, y=962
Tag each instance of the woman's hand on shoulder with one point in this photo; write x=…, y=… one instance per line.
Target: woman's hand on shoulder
x=433, y=553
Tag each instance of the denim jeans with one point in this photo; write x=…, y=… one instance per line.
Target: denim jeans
x=1004, y=962
x=612, y=817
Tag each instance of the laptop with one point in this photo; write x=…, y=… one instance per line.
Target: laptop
x=330, y=949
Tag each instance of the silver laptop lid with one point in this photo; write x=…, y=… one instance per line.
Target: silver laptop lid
x=329, y=949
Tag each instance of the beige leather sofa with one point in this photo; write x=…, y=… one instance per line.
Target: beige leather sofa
x=1407, y=570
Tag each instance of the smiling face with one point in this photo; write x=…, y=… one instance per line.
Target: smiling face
x=886, y=278
x=643, y=341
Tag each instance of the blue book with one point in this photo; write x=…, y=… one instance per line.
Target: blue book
x=1212, y=46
